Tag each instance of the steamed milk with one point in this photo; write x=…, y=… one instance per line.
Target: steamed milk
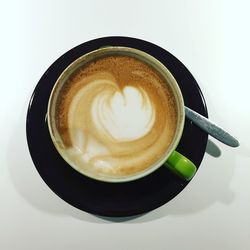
x=114, y=117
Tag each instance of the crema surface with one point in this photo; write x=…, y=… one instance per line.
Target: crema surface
x=114, y=117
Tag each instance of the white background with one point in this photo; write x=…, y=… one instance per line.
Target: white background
x=212, y=39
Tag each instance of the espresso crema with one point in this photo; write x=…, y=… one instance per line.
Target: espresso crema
x=114, y=116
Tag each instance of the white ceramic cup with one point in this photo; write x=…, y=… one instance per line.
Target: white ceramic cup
x=176, y=162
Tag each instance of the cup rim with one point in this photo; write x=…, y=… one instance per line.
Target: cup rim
x=174, y=87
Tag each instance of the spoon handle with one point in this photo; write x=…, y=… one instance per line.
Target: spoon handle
x=211, y=128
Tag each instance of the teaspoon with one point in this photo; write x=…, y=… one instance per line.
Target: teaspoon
x=211, y=128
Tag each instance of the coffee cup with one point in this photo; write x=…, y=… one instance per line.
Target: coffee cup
x=116, y=114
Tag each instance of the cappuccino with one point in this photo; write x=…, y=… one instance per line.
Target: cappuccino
x=112, y=116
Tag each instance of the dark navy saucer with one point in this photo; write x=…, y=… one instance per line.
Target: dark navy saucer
x=107, y=199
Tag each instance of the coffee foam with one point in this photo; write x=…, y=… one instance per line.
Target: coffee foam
x=123, y=115
x=115, y=116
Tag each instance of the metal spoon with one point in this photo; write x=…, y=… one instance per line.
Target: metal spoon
x=211, y=128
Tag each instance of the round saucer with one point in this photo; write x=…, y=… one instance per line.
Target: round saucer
x=112, y=199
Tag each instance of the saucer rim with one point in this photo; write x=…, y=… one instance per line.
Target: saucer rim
x=201, y=96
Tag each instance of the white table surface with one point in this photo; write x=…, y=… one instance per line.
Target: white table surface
x=212, y=39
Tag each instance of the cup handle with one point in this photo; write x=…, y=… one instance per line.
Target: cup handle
x=180, y=165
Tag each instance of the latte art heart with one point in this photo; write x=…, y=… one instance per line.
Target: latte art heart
x=115, y=117
x=126, y=115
